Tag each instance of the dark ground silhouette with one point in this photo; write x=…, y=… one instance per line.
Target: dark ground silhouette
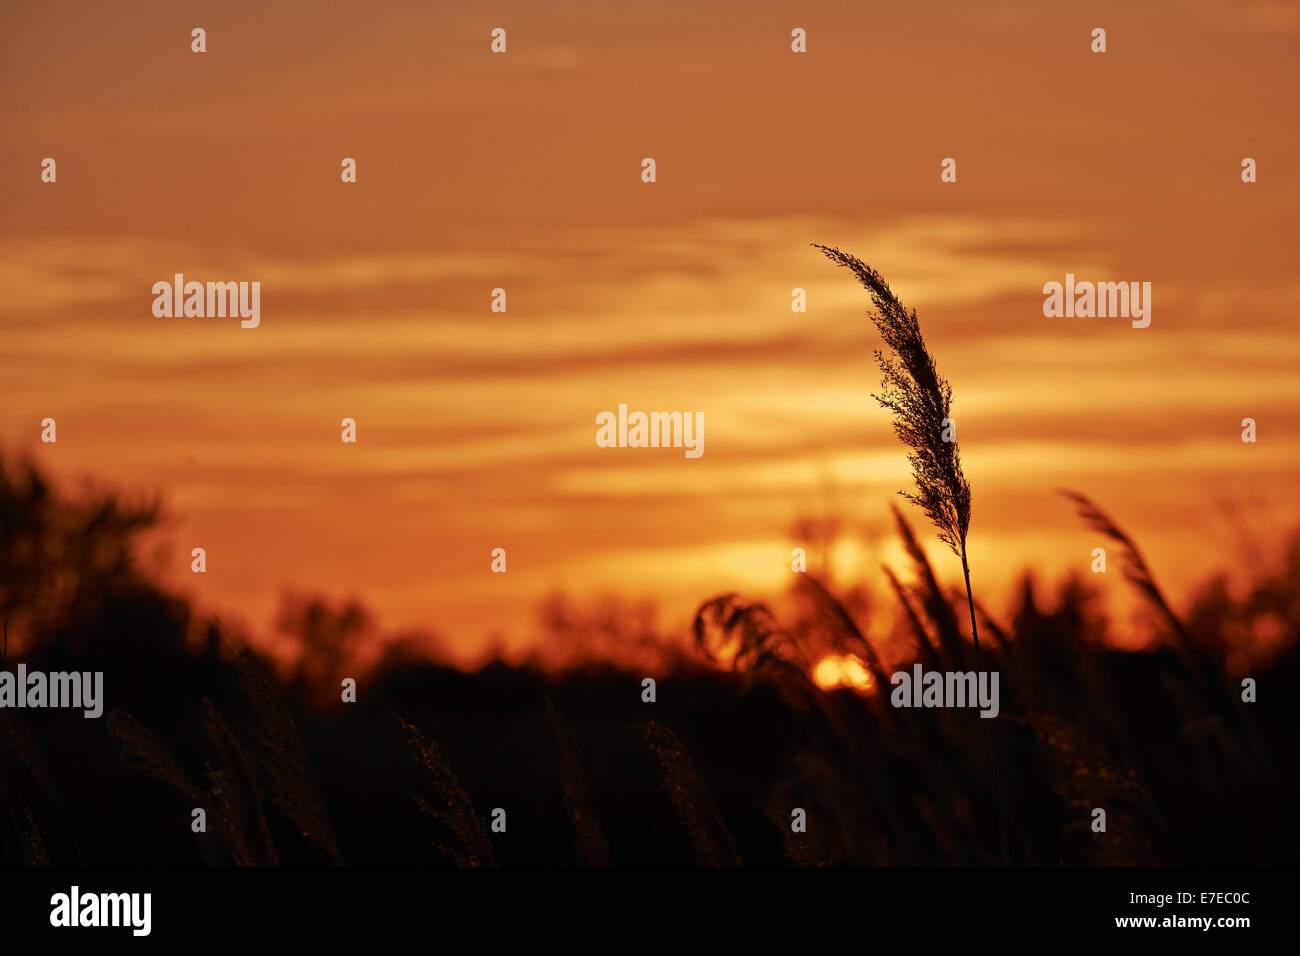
x=590, y=774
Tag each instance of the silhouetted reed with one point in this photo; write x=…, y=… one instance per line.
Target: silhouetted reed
x=1188, y=772
x=710, y=838
x=920, y=401
x=450, y=805
x=588, y=842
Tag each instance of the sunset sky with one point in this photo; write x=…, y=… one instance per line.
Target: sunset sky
x=479, y=170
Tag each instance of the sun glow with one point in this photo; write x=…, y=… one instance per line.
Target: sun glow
x=845, y=670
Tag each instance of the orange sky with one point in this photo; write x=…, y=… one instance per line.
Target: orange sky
x=522, y=171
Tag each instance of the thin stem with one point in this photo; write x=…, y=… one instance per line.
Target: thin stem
x=990, y=754
x=970, y=600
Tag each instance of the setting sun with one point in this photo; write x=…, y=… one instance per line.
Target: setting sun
x=846, y=670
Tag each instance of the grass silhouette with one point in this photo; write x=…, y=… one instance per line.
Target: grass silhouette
x=920, y=401
x=740, y=736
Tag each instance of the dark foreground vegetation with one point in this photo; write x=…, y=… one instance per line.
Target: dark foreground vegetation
x=589, y=774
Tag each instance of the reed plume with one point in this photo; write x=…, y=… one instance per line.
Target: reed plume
x=710, y=838
x=1136, y=570
x=588, y=841
x=280, y=757
x=920, y=401
x=453, y=806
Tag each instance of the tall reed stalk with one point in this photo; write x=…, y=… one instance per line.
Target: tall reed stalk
x=920, y=401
